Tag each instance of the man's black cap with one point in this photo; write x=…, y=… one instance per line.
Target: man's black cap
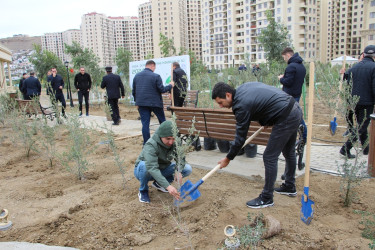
x=370, y=50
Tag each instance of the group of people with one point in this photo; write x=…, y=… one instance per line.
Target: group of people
x=252, y=101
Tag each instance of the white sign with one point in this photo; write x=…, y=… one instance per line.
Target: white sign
x=163, y=68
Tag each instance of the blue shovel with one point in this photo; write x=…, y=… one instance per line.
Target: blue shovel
x=190, y=192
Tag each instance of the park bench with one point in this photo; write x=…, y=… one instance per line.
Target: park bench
x=191, y=99
x=221, y=124
x=30, y=109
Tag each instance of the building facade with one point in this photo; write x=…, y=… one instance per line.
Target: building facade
x=145, y=31
x=54, y=42
x=194, y=27
x=98, y=35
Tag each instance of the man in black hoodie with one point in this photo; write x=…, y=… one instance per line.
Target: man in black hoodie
x=180, y=87
x=255, y=101
x=57, y=85
x=293, y=78
x=82, y=82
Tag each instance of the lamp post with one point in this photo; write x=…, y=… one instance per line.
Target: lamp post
x=68, y=89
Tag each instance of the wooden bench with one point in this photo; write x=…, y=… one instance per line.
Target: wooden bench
x=30, y=108
x=191, y=99
x=221, y=124
x=215, y=123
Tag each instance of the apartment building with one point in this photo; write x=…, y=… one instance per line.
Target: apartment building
x=230, y=29
x=98, y=35
x=54, y=42
x=70, y=36
x=368, y=31
x=194, y=27
x=145, y=31
x=126, y=34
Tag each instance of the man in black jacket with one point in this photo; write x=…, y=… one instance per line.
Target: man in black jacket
x=180, y=87
x=113, y=84
x=57, y=85
x=255, y=101
x=32, y=87
x=362, y=76
x=82, y=82
x=293, y=78
x=20, y=85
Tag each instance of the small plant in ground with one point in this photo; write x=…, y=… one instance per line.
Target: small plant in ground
x=368, y=221
x=372, y=244
x=75, y=159
x=116, y=156
x=48, y=140
x=7, y=106
x=251, y=235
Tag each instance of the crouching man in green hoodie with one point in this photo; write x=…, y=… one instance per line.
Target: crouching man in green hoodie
x=154, y=164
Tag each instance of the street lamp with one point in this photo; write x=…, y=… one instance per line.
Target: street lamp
x=68, y=89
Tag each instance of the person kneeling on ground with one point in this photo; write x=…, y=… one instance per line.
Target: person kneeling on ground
x=154, y=164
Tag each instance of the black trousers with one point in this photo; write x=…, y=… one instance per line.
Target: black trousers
x=60, y=97
x=115, y=110
x=362, y=114
x=85, y=94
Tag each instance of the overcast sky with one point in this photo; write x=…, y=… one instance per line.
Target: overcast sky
x=34, y=18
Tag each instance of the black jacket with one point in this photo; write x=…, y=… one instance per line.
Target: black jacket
x=20, y=85
x=31, y=86
x=180, y=80
x=113, y=84
x=294, y=76
x=56, y=82
x=363, y=74
x=147, y=89
x=255, y=101
x=82, y=82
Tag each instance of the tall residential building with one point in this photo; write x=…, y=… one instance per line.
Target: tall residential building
x=194, y=27
x=170, y=19
x=145, y=31
x=230, y=29
x=97, y=35
x=368, y=31
x=54, y=42
x=126, y=33
x=70, y=36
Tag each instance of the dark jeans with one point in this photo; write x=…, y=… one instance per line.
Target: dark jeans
x=145, y=113
x=362, y=114
x=282, y=140
x=178, y=100
x=115, y=110
x=304, y=135
x=61, y=98
x=81, y=94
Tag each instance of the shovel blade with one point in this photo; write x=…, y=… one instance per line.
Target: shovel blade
x=333, y=126
x=307, y=209
x=189, y=192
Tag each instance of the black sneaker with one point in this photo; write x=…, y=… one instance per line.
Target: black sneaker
x=346, y=133
x=285, y=190
x=346, y=153
x=143, y=196
x=365, y=151
x=158, y=187
x=260, y=202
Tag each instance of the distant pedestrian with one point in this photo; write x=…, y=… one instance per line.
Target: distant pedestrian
x=113, y=85
x=82, y=82
x=32, y=87
x=147, y=89
x=362, y=76
x=180, y=85
x=57, y=85
x=293, y=79
x=24, y=77
x=242, y=68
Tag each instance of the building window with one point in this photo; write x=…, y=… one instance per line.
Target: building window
x=372, y=14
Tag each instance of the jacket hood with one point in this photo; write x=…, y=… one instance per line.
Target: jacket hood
x=156, y=137
x=295, y=59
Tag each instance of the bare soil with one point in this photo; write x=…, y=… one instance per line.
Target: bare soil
x=51, y=206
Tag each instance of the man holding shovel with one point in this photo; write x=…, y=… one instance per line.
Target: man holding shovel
x=255, y=101
x=154, y=164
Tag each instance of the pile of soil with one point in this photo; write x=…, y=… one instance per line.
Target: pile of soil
x=51, y=206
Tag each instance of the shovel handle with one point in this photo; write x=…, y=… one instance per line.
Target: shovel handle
x=246, y=142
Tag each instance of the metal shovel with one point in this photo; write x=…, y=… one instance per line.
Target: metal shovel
x=190, y=192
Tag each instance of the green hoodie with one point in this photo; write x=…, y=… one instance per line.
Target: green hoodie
x=157, y=156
